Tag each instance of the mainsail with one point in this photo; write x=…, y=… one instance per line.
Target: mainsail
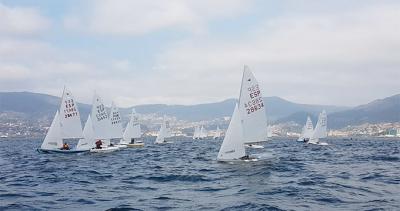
x=252, y=109
x=70, y=121
x=133, y=129
x=100, y=121
x=196, y=133
x=309, y=129
x=320, y=130
x=115, y=121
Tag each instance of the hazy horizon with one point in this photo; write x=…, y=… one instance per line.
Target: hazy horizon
x=192, y=52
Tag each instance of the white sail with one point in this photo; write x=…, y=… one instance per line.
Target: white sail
x=217, y=133
x=165, y=132
x=196, y=133
x=53, y=138
x=161, y=134
x=70, y=121
x=203, y=132
x=232, y=147
x=309, y=129
x=115, y=121
x=320, y=130
x=132, y=130
x=252, y=109
x=88, y=142
x=100, y=121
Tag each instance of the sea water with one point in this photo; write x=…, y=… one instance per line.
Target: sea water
x=184, y=175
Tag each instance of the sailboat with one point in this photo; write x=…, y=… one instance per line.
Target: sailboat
x=248, y=124
x=203, y=133
x=132, y=133
x=217, y=134
x=196, y=133
x=307, y=131
x=65, y=125
x=101, y=126
x=320, y=130
x=87, y=142
x=116, y=125
x=163, y=133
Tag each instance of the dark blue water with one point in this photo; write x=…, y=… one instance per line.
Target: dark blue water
x=347, y=175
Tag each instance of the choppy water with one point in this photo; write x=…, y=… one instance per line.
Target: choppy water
x=347, y=175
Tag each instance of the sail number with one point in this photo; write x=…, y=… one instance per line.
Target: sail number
x=101, y=112
x=256, y=102
x=115, y=118
x=70, y=109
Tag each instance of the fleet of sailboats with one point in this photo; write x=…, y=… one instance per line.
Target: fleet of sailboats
x=247, y=128
x=313, y=135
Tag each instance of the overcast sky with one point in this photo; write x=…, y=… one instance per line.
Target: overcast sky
x=189, y=51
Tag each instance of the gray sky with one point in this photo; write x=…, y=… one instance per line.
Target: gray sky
x=190, y=52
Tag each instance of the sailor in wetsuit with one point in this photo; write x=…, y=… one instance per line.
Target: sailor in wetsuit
x=246, y=157
x=98, y=144
x=65, y=147
x=132, y=140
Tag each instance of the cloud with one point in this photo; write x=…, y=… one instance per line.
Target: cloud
x=135, y=17
x=340, y=57
x=21, y=21
x=324, y=58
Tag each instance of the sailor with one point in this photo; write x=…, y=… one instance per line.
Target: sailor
x=65, y=146
x=132, y=140
x=98, y=144
x=246, y=157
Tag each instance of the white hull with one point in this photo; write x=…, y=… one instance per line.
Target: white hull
x=104, y=149
x=121, y=146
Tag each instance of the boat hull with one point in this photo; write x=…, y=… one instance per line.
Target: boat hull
x=136, y=145
x=59, y=151
x=104, y=150
x=121, y=146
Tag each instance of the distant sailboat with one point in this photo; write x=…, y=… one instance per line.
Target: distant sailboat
x=196, y=133
x=307, y=131
x=163, y=133
x=248, y=123
x=116, y=125
x=101, y=126
x=65, y=125
x=132, y=133
x=203, y=133
x=320, y=130
x=217, y=134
